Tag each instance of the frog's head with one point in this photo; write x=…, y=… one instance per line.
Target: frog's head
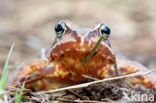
x=72, y=45
x=66, y=32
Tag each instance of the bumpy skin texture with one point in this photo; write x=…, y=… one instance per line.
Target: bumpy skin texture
x=63, y=66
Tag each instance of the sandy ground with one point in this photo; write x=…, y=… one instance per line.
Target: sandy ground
x=30, y=24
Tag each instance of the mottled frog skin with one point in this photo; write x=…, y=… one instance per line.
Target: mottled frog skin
x=63, y=65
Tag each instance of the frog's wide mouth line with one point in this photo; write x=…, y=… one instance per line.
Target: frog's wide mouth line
x=77, y=49
x=70, y=54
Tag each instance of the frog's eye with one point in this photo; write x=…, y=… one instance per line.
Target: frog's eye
x=60, y=29
x=104, y=30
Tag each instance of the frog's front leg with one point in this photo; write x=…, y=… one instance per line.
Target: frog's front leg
x=27, y=71
x=38, y=75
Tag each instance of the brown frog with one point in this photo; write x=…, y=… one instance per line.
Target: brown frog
x=63, y=66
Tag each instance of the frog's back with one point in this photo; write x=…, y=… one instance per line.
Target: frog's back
x=126, y=66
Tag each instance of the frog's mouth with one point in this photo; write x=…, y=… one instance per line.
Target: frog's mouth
x=69, y=56
x=78, y=50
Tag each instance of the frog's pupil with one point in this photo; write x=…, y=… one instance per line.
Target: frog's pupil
x=105, y=30
x=59, y=28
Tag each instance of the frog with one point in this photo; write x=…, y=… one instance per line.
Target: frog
x=62, y=66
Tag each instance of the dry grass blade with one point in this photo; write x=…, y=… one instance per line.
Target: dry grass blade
x=88, y=77
x=89, y=101
x=78, y=101
x=76, y=94
x=94, y=82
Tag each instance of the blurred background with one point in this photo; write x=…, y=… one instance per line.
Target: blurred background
x=30, y=24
